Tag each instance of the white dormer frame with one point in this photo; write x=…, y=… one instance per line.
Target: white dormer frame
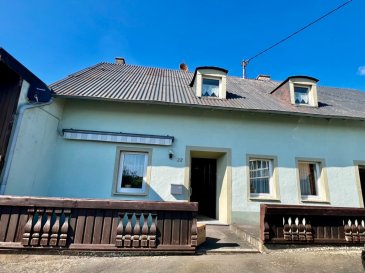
x=306, y=82
x=214, y=73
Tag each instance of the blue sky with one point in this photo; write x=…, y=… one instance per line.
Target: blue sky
x=56, y=38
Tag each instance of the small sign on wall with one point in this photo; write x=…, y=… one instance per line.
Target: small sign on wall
x=177, y=189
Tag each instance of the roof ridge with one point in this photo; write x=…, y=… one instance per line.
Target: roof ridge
x=153, y=67
x=82, y=71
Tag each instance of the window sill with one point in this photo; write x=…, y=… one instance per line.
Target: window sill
x=304, y=105
x=130, y=193
x=264, y=198
x=318, y=201
x=212, y=98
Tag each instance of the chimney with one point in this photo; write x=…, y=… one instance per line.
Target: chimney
x=183, y=67
x=119, y=60
x=263, y=77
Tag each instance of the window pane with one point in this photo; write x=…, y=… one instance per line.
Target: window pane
x=133, y=170
x=307, y=176
x=210, y=88
x=259, y=176
x=301, y=95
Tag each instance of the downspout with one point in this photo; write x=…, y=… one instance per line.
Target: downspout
x=13, y=140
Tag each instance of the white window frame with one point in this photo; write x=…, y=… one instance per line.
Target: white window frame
x=308, y=94
x=311, y=84
x=273, y=194
x=219, y=86
x=271, y=179
x=210, y=73
x=118, y=173
x=320, y=180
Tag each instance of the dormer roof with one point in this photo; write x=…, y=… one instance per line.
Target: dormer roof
x=293, y=77
x=206, y=67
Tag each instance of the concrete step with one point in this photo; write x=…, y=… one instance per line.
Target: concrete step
x=221, y=240
x=232, y=251
x=249, y=233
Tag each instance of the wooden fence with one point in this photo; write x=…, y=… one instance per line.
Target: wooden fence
x=91, y=224
x=286, y=224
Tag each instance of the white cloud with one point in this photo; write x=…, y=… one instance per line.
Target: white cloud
x=361, y=70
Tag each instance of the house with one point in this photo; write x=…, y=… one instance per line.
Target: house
x=20, y=91
x=128, y=132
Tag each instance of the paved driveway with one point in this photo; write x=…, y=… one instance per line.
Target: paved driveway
x=278, y=261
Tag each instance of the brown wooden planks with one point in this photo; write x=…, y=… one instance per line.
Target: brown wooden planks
x=175, y=230
x=160, y=227
x=7, y=200
x=320, y=232
x=190, y=223
x=4, y=222
x=13, y=224
x=325, y=225
x=107, y=227
x=23, y=218
x=334, y=233
x=98, y=226
x=89, y=226
x=327, y=232
x=184, y=230
x=167, y=229
x=115, y=223
x=72, y=227
x=80, y=226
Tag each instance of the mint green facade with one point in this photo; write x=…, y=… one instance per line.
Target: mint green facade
x=46, y=164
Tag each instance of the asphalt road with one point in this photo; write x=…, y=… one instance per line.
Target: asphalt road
x=348, y=261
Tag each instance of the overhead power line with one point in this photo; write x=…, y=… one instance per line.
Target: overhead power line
x=245, y=62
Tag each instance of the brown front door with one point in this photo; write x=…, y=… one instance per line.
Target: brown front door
x=203, y=185
x=9, y=96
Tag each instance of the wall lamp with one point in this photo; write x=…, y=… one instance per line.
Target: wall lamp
x=171, y=154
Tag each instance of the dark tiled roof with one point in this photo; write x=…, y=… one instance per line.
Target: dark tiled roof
x=165, y=86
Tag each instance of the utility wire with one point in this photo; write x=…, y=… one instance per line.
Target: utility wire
x=245, y=62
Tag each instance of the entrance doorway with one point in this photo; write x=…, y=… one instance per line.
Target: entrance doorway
x=204, y=185
x=362, y=181
x=208, y=175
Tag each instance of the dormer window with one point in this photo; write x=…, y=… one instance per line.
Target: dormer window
x=298, y=91
x=210, y=82
x=301, y=94
x=210, y=88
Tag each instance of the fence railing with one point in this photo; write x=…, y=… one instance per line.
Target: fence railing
x=97, y=224
x=286, y=224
